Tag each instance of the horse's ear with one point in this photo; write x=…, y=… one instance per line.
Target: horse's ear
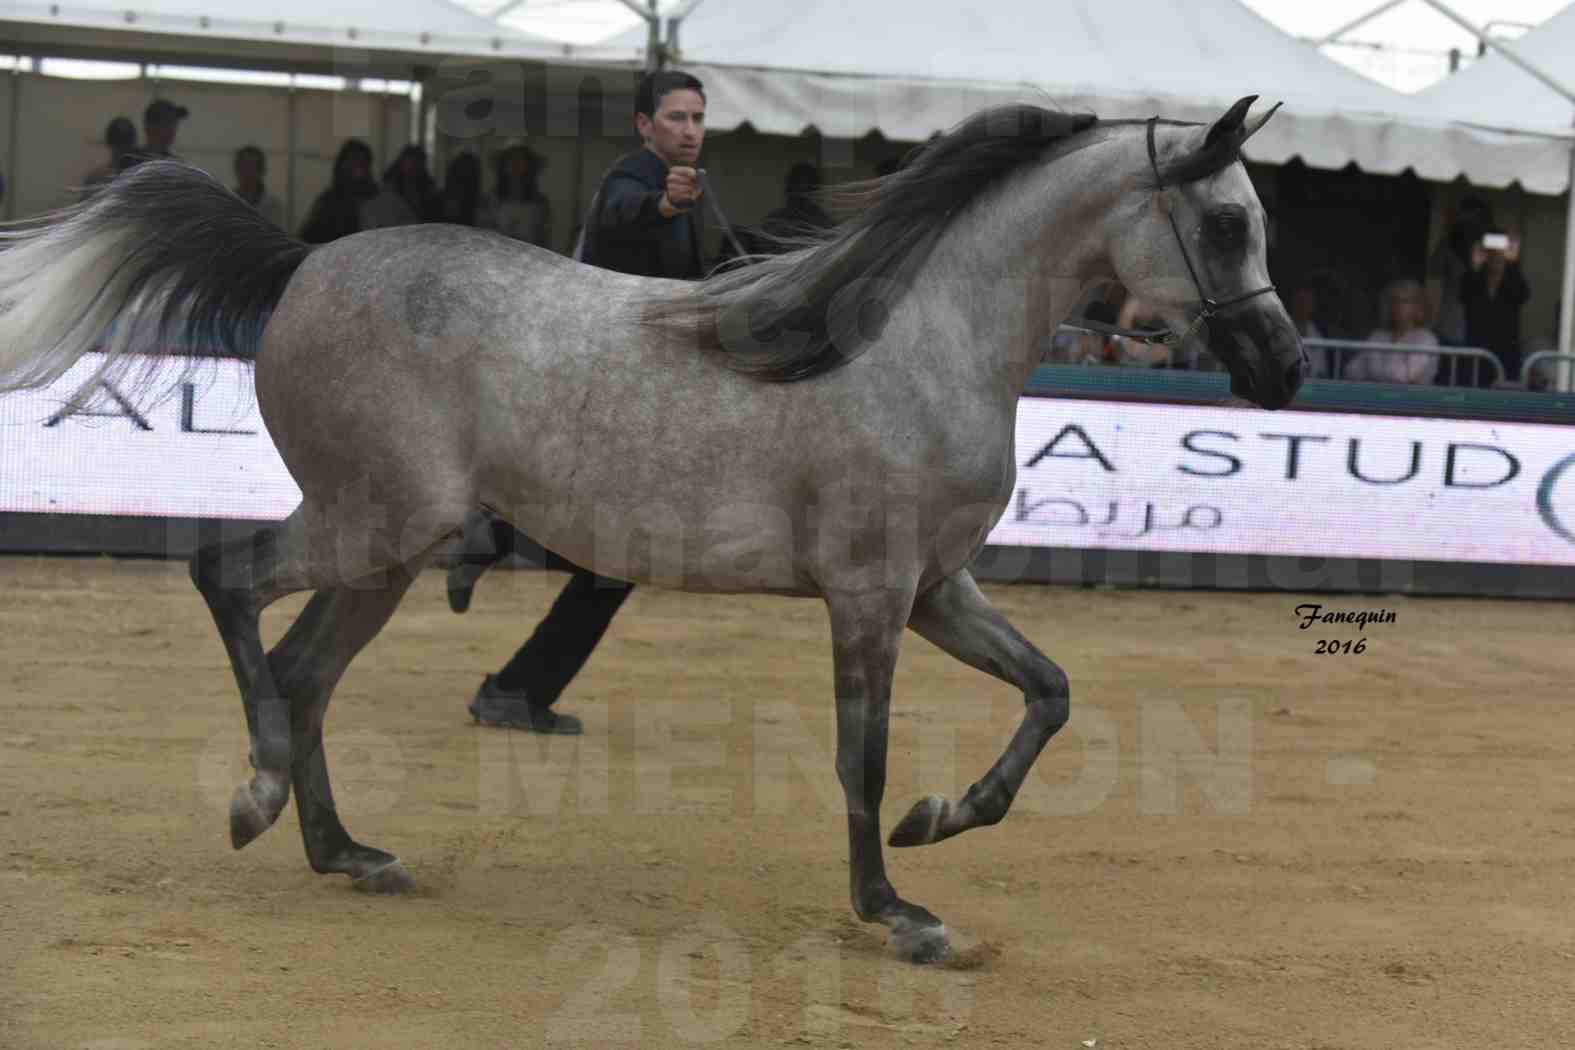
x=1252, y=129
x=1229, y=127
x=1221, y=146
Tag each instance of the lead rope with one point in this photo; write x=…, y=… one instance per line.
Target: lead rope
x=716, y=209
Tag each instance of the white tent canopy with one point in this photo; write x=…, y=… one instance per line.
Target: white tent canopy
x=430, y=27
x=1494, y=93
x=908, y=68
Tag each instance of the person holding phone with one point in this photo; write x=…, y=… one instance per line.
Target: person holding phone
x=1492, y=295
x=1448, y=266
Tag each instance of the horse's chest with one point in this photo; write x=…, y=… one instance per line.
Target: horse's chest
x=979, y=467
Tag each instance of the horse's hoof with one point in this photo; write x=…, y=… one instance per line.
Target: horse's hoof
x=390, y=878
x=250, y=817
x=921, y=944
x=922, y=825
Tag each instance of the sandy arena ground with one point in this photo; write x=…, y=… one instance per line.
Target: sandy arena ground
x=1236, y=843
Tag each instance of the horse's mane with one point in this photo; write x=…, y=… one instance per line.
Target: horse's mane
x=816, y=307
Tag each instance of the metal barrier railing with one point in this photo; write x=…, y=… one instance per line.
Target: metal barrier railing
x=1087, y=360
x=1453, y=356
x=1337, y=354
x=1563, y=368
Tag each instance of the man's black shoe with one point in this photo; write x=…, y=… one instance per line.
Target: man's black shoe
x=507, y=709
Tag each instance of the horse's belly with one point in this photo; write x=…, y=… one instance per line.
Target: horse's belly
x=735, y=547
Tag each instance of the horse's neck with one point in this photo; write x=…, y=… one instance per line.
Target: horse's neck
x=1012, y=269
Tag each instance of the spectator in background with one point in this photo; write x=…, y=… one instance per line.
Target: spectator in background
x=160, y=123
x=1448, y=266
x=1072, y=345
x=1491, y=294
x=516, y=207
x=121, y=138
x=250, y=167
x=1139, y=316
x=408, y=196
x=1544, y=375
x=337, y=211
x=800, y=213
x=462, y=190
x=1342, y=311
x=1304, y=313
x=1406, y=307
x=1541, y=376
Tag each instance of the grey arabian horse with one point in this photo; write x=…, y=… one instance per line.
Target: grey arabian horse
x=836, y=422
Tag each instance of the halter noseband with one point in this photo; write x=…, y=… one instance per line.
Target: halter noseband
x=1208, y=306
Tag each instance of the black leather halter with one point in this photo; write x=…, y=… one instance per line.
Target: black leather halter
x=1208, y=305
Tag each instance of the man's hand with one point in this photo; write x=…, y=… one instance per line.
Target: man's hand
x=682, y=192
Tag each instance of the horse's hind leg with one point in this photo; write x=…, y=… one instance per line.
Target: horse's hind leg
x=239, y=580
x=307, y=664
x=959, y=619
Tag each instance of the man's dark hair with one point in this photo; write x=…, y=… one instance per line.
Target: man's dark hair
x=161, y=112
x=252, y=151
x=527, y=190
x=656, y=86
x=121, y=135
x=351, y=149
x=803, y=180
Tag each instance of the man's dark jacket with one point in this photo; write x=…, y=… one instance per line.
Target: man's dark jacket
x=626, y=232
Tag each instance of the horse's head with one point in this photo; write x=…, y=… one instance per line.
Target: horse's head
x=1190, y=241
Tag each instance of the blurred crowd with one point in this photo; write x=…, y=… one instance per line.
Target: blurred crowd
x=1468, y=303
x=511, y=202
x=1466, y=307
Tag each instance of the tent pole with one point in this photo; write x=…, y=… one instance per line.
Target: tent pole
x=579, y=190
x=654, y=58
x=10, y=157
x=673, y=22
x=1358, y=22
x=289, y=153
x=1509, y=53
x=653, y=36
x=1566, y=374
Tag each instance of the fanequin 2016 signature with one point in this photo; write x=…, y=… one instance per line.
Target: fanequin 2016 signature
x=1312, y=613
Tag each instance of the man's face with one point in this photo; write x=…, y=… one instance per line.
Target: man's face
x=247, y=170
x=1304, y=304
x=678, y=128
x=161, y=136
x=1406, y=311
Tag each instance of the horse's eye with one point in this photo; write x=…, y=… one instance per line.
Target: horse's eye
x=1226, y=227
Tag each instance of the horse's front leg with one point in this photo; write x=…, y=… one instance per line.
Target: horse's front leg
x=958, y=618
x=865, y=630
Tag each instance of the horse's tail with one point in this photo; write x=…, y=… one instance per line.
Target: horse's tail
x=163, y=260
